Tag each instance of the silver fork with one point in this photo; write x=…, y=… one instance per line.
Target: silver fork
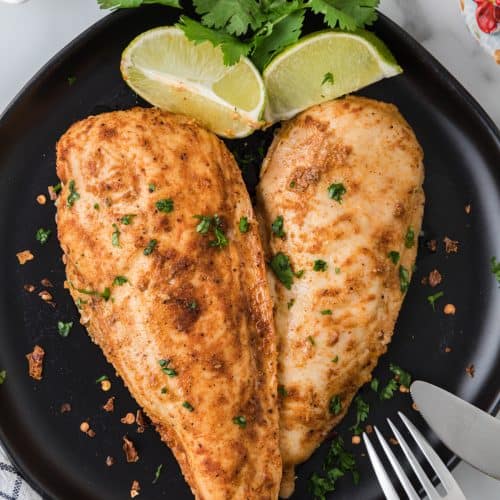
x=452, y=490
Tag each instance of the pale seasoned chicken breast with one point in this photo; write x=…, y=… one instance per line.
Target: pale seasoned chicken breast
x=185, y=319
x=346, y=177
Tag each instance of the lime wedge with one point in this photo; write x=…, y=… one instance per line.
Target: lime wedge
x=172, y=73
x=323, y=66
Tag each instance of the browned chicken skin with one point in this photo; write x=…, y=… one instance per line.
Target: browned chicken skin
x=187, y=325
x=336, y=321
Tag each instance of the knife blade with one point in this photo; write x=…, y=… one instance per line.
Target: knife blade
x=472, y=434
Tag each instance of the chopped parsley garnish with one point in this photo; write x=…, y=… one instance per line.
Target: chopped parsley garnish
x=362, y=410
x=388, y=391
x=151, y=246
x=401, y=376
x=336, y=191
x=240, y=421
x=299, y=274
x=3, y=376
x=71, y=80
x=115, y=237
x=165, y=368
x=166, y=205
x=277, y=227
x=126, y=220
x=244, y=225
x=164, y=390
x=106, y=294
x=73, y=194
x=157, y=473
x=96, y=206
x=374, y=384
x=335, y=359
x=102, y=378
x=337, y=270
x=335, y=405
x=80, y=302
x=320, y=265
x=393, y=256
x=311, y=340
x=338, y=462
x=120, y=280
x=326, y=312
x=328, y=78
x=495, y=268
x=290, y=303
x=404, y=279
x=280, y=264
x=432, y=299
x=188, y=406
x=292, y=184
x=214, y=223
x=151, y=187
x=42, y=235
x=193, y=305
x=57, y=188
x=282, y=391
x=64, y=328
x=410, y=238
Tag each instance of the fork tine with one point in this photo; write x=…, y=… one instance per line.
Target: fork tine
x=437, y=464
x=403, y=478
x=378, y=467
x=419, y=472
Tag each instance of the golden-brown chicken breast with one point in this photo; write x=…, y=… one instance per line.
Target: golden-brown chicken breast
x=174, y=292
x=342, y=183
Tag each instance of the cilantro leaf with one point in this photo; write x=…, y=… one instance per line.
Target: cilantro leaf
x=244, y=225
x=3, y=376
x=362, y=410
x=495, y=268
x=232, y=48
x=277, y=227
x=232, y=16
x=64, y=328
x=432, y=299
x=394, y=256
x=388, y=391
x=401, y=376
x=280, y=264
x=328, y=78
x=276, y=38
x=336, y=191
x=410, y=237
x=42, y=235
x=346, y=14
x=128, y=4
x=335, y=405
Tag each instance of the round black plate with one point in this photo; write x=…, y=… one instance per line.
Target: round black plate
x=462, y=150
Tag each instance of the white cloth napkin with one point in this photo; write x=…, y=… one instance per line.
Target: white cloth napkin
x=12, y=485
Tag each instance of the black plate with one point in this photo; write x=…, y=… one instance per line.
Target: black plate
x=462, y=149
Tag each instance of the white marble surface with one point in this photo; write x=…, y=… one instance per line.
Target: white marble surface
x=32, y=32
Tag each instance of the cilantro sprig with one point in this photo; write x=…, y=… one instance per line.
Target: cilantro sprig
x=259, y=29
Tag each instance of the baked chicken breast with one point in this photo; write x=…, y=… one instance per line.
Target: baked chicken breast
x=173, y=292
x=342, y=183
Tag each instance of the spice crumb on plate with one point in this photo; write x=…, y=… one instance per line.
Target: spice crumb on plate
x=47, y=283
x=45, y=296
x=432, y=245
x=128, y=419
x=41, y=199
x=35, y=362
x=109, y=406
x=129, y=449
x=450, y=246
x=84, y=427
x=110, y=461
x=356, y=440
x=135, y=489
x=449, y=309
x=467, y=209
x=65, y=408
x=141, y=422
x=470, y=370
x=29, y=288
x=24, y=256
x=447, y=349
x=393, y=441
x=435, y=278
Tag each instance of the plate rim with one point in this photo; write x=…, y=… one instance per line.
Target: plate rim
x=442, y=74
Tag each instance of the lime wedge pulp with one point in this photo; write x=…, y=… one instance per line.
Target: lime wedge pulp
x=172, y=73
x=323, y=66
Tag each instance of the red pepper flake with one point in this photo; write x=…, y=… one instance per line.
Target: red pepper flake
x=129, y=449
x=135, y=489
x=435, y=278
x=109, y=406
x=65, y=408
x=35, y=361
x=450, y=246
x=432, y=245
x=470, y=370
x=110, y=461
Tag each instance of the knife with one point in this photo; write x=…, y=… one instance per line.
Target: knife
x=469, y=432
